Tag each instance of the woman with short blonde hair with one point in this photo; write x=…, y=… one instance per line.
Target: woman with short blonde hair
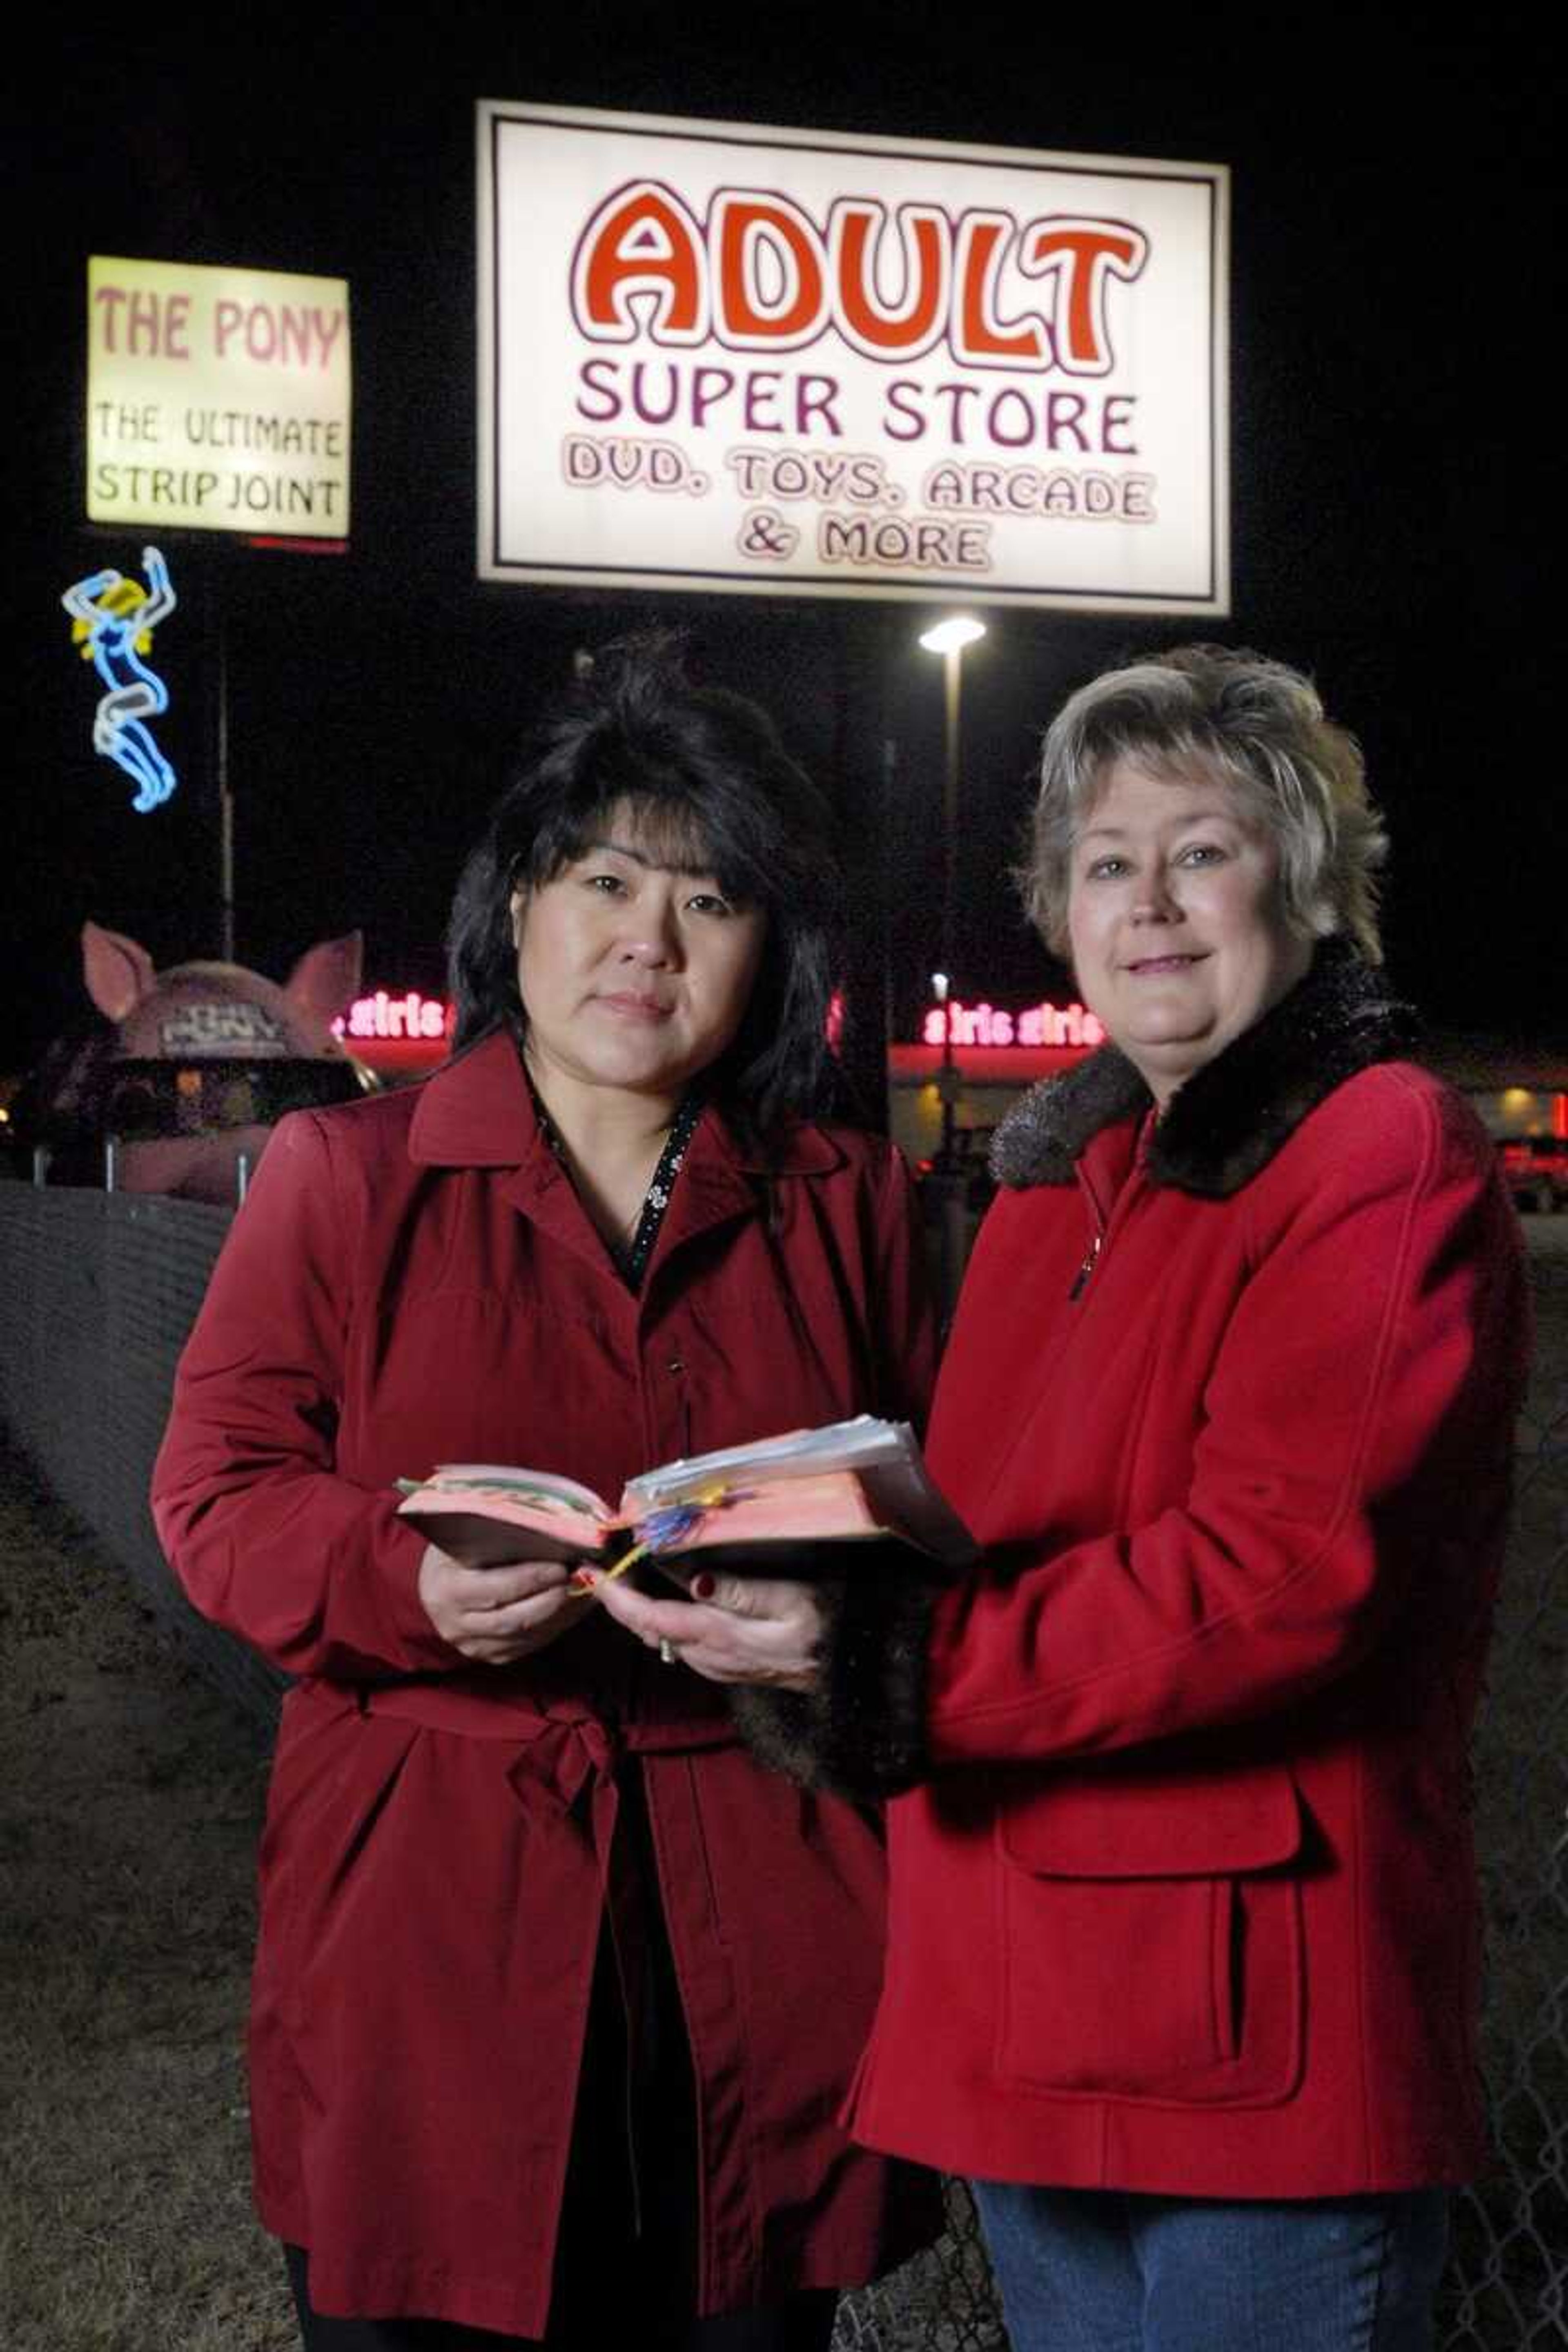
x=1260, y=729
x=1183, y=1931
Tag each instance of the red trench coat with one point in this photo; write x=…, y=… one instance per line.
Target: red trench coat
x=413, y=1279
x=1188, y=1906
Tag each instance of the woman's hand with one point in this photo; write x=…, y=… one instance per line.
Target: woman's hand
x=495, y=1615
x=733, y=1628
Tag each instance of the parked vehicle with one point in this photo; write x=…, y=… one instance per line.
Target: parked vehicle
x=1536, y=1167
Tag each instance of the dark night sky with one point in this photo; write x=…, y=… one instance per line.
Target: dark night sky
x=1391, y=408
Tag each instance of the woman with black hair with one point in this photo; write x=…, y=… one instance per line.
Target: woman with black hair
x=558, y=1990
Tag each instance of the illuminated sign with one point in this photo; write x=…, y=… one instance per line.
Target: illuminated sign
x=226, y=1028
x=218, y=399
x=718, y=357
x=382, y=1016
x=988, y=1024
x=112, y=621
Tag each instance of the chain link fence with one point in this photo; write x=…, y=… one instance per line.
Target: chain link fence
x=1506, y=2289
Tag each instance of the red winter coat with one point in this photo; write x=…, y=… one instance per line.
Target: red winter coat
x=1188, y=1903
x=412, y=1280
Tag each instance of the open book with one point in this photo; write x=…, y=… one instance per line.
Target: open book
x=854, y=1480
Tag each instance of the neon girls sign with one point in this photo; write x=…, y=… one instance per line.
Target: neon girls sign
x=406, y=1016
x=112, y=621
x=988, y=1024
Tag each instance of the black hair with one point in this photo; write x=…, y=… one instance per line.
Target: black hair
x=708, y=776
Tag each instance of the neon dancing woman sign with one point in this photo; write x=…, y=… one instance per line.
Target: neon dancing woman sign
x=112, y=621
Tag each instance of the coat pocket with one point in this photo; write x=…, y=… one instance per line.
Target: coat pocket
x=1150, y=1938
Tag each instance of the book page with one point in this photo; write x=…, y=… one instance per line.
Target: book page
x=800, y=1453
x=539, y=1489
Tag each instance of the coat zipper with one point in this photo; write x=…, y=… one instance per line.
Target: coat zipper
x=1102, y=1227
x=1091, y=1259
x=1080, y=1279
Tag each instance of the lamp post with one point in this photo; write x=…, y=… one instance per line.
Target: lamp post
x=947, y=1079
x=948, y=637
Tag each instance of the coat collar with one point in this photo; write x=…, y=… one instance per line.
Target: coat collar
x=476, y=1112
x=1231, y=1116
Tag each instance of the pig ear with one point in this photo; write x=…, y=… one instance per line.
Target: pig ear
x=118, y=972
x=325, y=980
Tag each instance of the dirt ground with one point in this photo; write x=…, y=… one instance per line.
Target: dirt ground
x=130, y=1806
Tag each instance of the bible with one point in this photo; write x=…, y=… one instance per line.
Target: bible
x=853, y=1481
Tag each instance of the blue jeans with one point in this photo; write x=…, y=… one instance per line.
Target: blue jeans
x=1101, y=2271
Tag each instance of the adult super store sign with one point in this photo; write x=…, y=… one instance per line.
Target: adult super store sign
x=723, y=358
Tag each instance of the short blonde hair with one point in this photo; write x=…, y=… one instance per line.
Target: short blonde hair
x=1257, y=725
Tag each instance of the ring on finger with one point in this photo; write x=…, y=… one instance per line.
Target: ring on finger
x=666, y=1652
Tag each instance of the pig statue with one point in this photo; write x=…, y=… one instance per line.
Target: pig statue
x=206, y=1057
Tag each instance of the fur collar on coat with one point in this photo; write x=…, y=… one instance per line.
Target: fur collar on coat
x=1231, y=1116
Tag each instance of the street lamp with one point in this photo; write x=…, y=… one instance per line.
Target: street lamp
x=948, y=638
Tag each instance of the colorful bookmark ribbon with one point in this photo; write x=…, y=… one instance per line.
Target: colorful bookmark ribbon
x=666, y=1529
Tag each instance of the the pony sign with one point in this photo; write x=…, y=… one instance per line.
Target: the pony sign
x=721, y=357
x=218, y=399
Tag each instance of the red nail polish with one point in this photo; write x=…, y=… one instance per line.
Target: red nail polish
x=703, y=1587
